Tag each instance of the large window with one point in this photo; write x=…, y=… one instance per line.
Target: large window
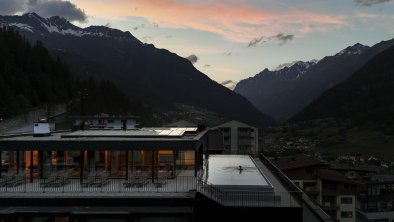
x=346, y=214
x=186, y=160
x=346, y=200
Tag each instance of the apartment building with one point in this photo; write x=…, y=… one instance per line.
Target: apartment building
x=334, y=192
x=239, y=138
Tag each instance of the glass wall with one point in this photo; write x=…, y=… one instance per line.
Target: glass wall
x=12, y=162
x=117, y=163
x=186, y=160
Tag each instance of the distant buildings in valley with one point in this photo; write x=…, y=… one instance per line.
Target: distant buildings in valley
x=348, y=189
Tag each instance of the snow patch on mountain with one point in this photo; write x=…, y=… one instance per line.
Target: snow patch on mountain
x=229, y=84
x=305, y=65
x=356, y=49
x=22, y=26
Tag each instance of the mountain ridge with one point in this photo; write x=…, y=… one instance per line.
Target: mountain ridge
x=156, y=76
x=283, y=97
x=365, y=98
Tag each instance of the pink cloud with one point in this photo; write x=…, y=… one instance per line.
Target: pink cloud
x=234, y=21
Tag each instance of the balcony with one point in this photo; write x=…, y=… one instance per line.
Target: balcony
x=326, y=192
x=246, y=134
x=245, y=142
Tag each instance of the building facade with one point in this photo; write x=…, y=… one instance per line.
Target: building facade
x=146, y=174
x=239, y=138
x=376, y=199
x=334, y=192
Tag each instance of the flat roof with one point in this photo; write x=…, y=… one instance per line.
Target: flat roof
x=224, y=171
x=142, y=132
x=146, y=138
x=104, y=117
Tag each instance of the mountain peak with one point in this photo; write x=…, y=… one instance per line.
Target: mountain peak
x=58, y=19
x=355, y=49
x=31, y=15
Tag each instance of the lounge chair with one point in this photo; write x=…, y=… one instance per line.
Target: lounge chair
x=161, y=179
x=130, y=181
x=86, y=182
x=49, y=179
x=101, y=179
x=60, y=179
x=6, y=177
x=14, y=180
x=137, y=181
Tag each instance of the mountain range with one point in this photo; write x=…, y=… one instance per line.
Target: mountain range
x=366, y=98
x=284, y=92
x=155, y=76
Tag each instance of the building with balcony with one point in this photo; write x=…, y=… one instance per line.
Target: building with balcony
x=375, y=200
x=334, y=192
x=147, y=174
x=239, y=138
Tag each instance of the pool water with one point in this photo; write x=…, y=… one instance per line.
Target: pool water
x=237, y=172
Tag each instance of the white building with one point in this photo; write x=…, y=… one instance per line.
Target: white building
x=239, y=138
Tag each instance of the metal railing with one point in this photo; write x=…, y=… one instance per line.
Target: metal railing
x=308, y=202
x=247, y=198
x=22, y=184
x=182, y=184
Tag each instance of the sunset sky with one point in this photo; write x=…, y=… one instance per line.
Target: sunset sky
x=236, y=39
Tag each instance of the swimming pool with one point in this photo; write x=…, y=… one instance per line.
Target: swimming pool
x=235, y=172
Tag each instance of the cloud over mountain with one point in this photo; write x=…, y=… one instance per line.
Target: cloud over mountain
x=45, y=8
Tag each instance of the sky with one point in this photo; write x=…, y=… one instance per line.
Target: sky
x=232, y=39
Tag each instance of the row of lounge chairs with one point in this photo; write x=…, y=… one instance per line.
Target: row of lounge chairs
x=57, y=179
x=94, y=179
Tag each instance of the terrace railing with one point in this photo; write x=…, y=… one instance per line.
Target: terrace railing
x=58, y=185
x=22, y=184
x=248, y=198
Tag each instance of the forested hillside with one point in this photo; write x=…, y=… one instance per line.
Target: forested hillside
x=30, y=77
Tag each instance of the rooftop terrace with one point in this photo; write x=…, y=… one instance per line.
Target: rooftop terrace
x=239, y=194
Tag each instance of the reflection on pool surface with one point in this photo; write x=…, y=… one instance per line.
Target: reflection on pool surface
x=235, y=172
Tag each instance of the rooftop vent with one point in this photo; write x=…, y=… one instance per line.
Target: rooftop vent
x=41, y=128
